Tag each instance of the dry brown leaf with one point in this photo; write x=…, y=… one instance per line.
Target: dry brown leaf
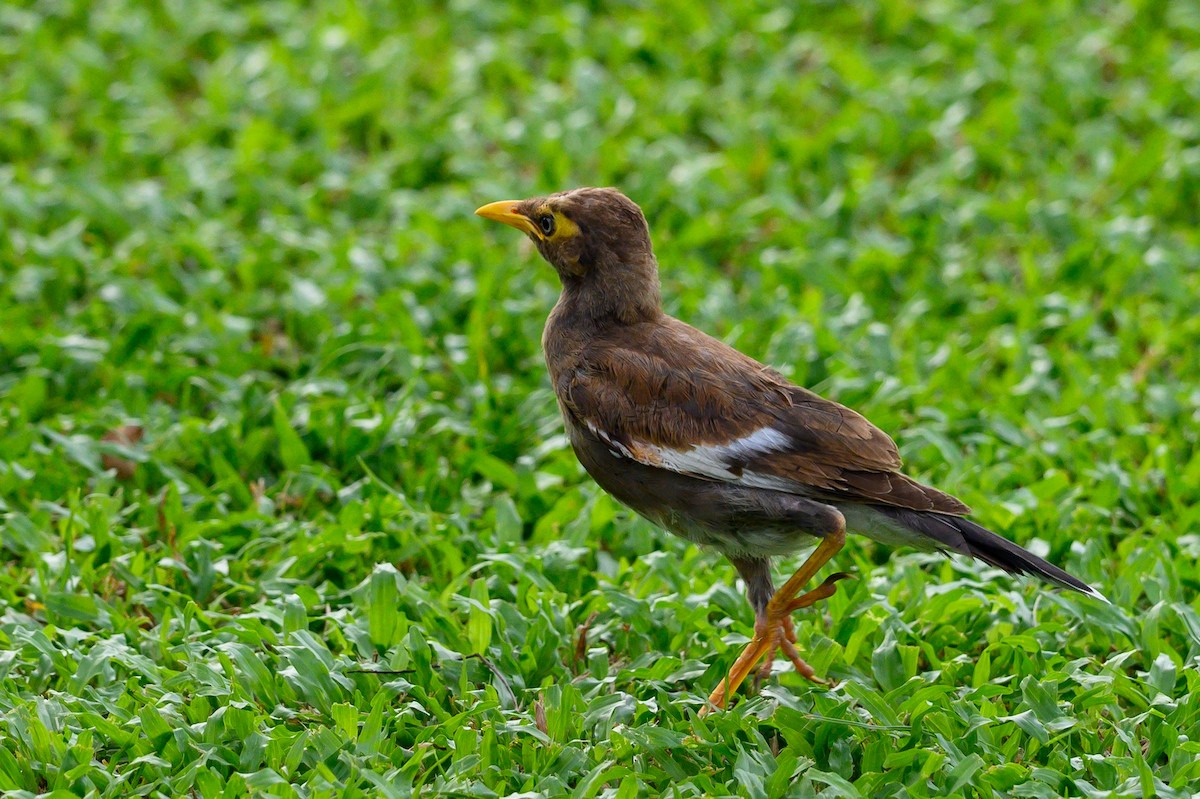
x=125, y=435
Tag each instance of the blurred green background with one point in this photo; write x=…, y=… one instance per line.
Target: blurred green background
x=273, y=415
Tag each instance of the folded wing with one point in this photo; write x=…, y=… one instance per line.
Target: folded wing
x=674, y=398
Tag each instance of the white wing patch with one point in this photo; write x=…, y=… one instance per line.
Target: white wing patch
x=714, y=460
x=616, y=448
x=709, y=460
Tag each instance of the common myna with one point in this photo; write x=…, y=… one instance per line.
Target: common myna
x=713, y=445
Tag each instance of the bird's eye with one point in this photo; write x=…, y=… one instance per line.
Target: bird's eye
x=546, y=222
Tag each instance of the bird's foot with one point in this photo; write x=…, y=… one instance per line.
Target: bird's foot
x=785, y=642
x=787, y=635
x=774, y=631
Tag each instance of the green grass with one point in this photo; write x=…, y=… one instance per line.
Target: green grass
x=352, y=554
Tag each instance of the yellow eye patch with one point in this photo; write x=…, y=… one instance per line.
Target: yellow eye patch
x=565, y=228
x=560, y=227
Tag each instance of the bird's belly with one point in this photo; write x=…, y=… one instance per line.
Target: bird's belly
x=734, y=519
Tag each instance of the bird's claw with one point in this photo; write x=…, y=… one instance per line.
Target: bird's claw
x=823, y=591
x=774, y=630
x=786, y=641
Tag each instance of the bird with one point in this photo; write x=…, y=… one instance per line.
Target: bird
x=714, y=446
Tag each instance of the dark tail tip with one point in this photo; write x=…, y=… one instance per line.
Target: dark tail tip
x=960, y=534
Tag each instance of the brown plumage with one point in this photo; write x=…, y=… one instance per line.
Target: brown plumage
x=711, y=444
x=662, y=381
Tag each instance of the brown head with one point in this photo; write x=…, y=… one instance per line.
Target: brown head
x=598, y=242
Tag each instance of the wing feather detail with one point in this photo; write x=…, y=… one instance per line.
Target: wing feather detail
x=677, y=399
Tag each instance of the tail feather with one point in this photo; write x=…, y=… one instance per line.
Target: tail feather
x=959, y=534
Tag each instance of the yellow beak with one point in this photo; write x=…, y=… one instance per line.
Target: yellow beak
x=505, y=211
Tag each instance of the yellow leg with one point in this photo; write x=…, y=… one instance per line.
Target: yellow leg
x=787, y=642
x=768, y=631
